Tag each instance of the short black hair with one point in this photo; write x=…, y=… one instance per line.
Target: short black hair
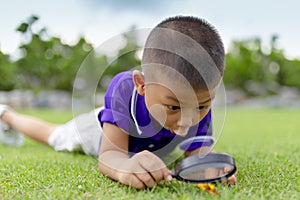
x=198, y=33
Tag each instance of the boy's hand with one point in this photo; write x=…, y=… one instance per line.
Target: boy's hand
x=232, y=179
x=143, y=170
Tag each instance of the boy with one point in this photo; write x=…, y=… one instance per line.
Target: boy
x=146, y=114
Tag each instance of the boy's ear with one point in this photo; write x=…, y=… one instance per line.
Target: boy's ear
x=139, y=82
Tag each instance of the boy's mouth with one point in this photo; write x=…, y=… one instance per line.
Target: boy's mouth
x=180, y=132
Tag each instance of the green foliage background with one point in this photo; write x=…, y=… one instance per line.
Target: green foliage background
x=48, y=63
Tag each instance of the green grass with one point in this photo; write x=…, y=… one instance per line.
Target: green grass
x=264, y=142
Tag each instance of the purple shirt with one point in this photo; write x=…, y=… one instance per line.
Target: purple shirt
x=125, y=108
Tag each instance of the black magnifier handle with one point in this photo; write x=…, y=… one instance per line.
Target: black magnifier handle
x=173, y=175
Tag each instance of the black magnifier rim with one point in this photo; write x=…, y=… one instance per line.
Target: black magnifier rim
x=207, y=159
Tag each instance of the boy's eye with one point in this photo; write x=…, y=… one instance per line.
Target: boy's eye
x=173, y=107
x=201, y=107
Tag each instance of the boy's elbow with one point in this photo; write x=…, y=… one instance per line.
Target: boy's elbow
x=101, y=165
x=103, y=169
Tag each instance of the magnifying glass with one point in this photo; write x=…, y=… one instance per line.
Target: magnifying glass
x=197, y=140
x=211, y=168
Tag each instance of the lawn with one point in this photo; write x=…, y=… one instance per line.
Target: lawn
x=264, y=142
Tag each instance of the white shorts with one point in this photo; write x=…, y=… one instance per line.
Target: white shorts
x=81, y=134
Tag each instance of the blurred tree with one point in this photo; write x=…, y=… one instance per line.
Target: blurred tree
x=7, y=72
x=257, y=72
x=26, y=26
x=49, y=64
x=127, y=58
x=292, y=71
x=244, y=62
x=286, y=71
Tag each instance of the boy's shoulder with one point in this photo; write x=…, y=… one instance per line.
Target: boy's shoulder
x=122, y=78
x=121, y=85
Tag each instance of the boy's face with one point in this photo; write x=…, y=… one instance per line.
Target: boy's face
x=175, y=105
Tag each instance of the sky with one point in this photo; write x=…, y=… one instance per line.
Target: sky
x=100, y=20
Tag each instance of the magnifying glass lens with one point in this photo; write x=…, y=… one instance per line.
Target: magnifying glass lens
x=205, y=171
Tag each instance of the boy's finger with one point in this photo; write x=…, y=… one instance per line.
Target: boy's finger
x=155, y=166
x=157, y=175
x=231, y=180
x=158, y=170
x=227, y=169
x=133, y=181
x=167, y=174
x=146, y=178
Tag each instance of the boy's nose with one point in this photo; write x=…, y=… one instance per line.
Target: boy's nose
x=183, y=125
x=185, y=121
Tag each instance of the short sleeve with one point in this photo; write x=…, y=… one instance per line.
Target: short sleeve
x=117, y=102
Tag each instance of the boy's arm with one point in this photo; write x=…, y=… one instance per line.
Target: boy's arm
x=142, y=170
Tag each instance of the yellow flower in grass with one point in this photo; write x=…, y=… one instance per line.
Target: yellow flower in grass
x=208, y=187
